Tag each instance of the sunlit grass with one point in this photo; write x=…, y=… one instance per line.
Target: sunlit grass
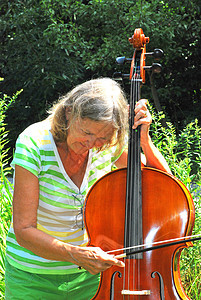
x=190, y=265
x=5, y=214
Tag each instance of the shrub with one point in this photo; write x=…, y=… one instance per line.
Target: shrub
x=5, y=186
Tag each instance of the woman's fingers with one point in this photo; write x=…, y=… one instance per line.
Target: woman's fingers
x=142, y=114
x=94, y=259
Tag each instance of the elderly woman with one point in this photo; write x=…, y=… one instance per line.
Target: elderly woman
x=56, y=162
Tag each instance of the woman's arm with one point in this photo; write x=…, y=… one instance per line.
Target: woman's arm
x=25, y=204
x=152, y=156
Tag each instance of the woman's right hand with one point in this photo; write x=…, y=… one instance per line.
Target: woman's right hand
x=93, y=259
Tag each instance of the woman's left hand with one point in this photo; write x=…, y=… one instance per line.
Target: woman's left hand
x=143, y=118
x=152, y=156
x=142, y=114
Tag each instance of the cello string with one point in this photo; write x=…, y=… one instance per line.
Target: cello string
x=134, y=181
x=136, y=186
x=132, y=175
x=182, y=239
x=136, y=201
x=131, y=180
x=133, y=226
x=139, y=187
x=129, y=188
x=136, y=198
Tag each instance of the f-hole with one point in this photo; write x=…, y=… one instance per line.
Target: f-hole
x=162, y=292
x=112, y=284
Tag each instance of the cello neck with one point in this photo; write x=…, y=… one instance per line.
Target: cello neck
x=133, y=221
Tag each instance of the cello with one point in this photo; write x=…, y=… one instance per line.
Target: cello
x=139, y=206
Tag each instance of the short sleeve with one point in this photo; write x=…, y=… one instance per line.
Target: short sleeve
x=27, y=154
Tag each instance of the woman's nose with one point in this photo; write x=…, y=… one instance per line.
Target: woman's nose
x=91, y=141
x=99, y=143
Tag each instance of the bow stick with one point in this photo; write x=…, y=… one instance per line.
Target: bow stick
x=158, y=245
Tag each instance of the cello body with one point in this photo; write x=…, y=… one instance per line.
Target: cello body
x=168, y=212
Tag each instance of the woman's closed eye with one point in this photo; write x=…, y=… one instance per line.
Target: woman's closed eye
x=87, y=132
x=92, y=134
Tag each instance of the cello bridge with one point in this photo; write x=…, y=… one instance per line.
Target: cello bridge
x=143, y=292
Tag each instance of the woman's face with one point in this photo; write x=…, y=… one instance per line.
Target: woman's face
x=85, y=134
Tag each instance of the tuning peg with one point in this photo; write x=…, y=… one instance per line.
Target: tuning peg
x=157, y=54
x=155, y=68
x=120, y=76
x=122, y=60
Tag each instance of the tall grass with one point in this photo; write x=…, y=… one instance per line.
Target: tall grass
x=5, y=186
x=6, y=214
x=182, y=151
x=190, y=265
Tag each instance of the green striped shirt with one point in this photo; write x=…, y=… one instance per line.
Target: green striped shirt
x=59, y=212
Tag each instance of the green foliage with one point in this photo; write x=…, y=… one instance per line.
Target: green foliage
x=190, y=265
x=38, y=55
x=6, y=189
x=183, y=154
x=190, y=147
x=5, y=103
x=181, y=67
x=5, y=186
x=173, y=26
x=182, y=150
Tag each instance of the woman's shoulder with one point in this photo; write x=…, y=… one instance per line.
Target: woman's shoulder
x=37, y=129
x=37, y=134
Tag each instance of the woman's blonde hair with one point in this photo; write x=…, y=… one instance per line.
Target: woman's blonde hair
x=100, y=100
